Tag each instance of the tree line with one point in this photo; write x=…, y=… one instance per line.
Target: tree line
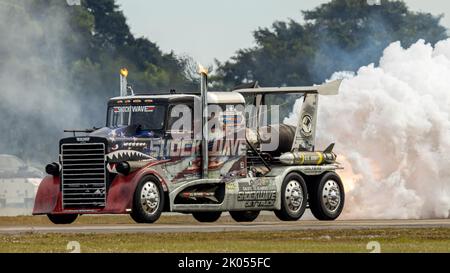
x=52, y=50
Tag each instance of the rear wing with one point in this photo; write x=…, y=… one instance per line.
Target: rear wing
x=305, y=133
x=329, y=88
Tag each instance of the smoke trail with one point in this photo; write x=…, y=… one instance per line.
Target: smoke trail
x=391, y=126
x=35, y=99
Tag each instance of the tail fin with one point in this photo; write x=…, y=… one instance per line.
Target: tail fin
x=329, y=149
x=305, y=132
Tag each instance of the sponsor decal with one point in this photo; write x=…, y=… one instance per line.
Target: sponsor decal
x=257, y=198
x=230, y=186
x=260, y=182
x=176, y=148
x=257, y=193
x=134, y=109
x=307, y=125
x=231, y=118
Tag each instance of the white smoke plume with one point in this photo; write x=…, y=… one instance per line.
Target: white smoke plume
x=36, y=101
x=37, y=98
x=391, y=126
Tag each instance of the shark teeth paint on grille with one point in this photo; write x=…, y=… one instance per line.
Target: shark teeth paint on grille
x=126, y=154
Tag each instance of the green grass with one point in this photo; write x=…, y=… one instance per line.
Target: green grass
x=332, y=240
x=391, y=240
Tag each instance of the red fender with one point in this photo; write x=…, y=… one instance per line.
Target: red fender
x=47, y=196
x=121, y=191
x=119, y=198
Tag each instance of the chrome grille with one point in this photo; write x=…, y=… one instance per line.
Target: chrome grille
x=83, y=175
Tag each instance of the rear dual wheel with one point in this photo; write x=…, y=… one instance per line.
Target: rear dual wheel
x=293, y=198
x=326, y=196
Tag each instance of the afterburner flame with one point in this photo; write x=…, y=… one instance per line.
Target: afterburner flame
x=349, y=178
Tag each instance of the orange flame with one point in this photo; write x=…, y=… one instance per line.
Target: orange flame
x=202, y=70
x=124, y=72
x=348, y=177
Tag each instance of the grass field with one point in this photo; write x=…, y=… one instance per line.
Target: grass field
x=345, y=240
x=396, y=240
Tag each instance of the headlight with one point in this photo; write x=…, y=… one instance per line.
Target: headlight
x=53, y=169
x=123, y=168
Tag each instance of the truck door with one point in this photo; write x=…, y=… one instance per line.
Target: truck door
x=183, y=149
x=227, y=148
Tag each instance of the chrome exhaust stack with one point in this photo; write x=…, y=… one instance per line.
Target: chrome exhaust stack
x=123, y=82
x=204, y=97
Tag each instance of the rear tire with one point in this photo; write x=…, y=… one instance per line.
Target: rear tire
x=293, y=198
x=207, y=216
x=148, y=201
x=62, y=219
x=244, y=216
x=327, y=196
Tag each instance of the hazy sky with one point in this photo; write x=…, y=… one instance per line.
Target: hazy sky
x=216, y=29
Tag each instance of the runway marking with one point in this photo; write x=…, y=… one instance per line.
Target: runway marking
x=257, y=226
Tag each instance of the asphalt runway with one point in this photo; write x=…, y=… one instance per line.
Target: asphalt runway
x=211, y=227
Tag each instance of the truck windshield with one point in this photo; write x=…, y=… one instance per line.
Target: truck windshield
x=149, y=117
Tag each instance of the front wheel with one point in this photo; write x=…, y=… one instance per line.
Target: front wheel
x=326, y=200
x=207, y=216
x=244, y=216
x=293, y=198
x=148, y=201
x=62, y=219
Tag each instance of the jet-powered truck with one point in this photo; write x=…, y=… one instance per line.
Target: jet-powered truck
x=200, y=153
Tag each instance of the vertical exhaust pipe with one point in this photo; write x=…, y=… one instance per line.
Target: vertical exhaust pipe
x=204, y=96
x=123, y=89
x=123, y=81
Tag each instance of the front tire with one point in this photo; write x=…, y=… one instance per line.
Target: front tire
x=148, y=201
x=293, y=198
x=207, y=216
x=327, y=197
x=62, y=219
x=244, y=216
